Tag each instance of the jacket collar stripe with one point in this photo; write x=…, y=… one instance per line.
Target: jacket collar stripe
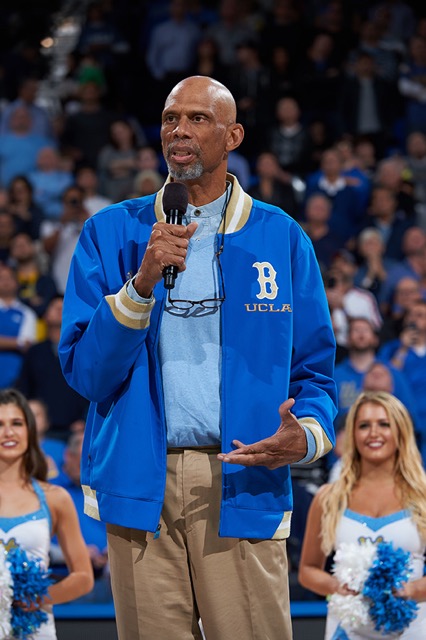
x=239, y=207
x=238, y=210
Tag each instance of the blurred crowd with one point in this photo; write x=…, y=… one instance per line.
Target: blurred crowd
x=332, y=96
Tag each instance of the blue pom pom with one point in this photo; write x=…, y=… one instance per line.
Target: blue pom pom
x=390, y=570
x=30, y=584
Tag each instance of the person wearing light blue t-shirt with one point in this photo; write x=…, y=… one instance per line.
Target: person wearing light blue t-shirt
x=19, y=147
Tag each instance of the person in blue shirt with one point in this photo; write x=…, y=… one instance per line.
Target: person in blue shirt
x=49, y=180
x=407, y=353
x=347, y=211
x=18, y=324
x=53, y=448
x=350, y=374
x=201, y=395
x=41, y=122
x=20, y=146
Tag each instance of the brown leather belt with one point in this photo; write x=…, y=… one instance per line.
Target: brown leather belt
x=209, y=449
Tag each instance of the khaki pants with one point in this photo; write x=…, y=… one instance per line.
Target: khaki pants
x=163, y=586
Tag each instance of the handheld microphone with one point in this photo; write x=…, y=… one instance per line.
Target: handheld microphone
x=175, y=201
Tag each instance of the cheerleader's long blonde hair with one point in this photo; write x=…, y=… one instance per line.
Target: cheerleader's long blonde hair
x=410, y=476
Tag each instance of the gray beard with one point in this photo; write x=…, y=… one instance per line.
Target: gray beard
x=187, y=173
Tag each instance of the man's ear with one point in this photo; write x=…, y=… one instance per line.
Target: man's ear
x=235, y=136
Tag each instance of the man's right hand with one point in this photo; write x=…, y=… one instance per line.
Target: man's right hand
x=168, y=245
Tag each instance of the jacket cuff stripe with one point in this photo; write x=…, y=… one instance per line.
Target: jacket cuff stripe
x=283, y=529
x=132, y=314
x=90, y=502
x=323, y=444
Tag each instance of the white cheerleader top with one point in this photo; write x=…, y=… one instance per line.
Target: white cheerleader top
x=400, y=529
x=32, y=532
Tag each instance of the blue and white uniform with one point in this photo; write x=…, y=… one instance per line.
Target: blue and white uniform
x=400, y=529
x=16, y=321
x=32, y=532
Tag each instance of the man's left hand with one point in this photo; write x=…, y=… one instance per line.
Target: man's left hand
x=286, y=446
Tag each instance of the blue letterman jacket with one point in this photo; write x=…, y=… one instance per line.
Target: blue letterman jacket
x=277, y=342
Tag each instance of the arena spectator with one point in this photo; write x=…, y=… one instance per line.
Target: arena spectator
x=282, y=78
x=22, y=59
x=288, y=138
x=17, y=328
x=273, y=185
x=378, y=378
x=284, y=26
x=414, y=251
x=41, y=377
x=415, y=161
x=7, y=231
x=398, y=16
x=100, y=38
x=86, y=131
x=386, y=60
x=148, y=158
x=146, y=182
x=36, y=288
x=353, y=373
x=366, y=103
x=347, y=301
x=249, y=81
x=331, y=18
x=207, y=61
x=27, y=215
x=382, y=377
x=68, y=85
x=117, y=162
x=19, y=147
x=27, y=97
x=172, y=45
x=87, y=179
x=406, y=292
x=49, y=181
x=347, y=209
x=60, y=236
x=376, y=272
x=230, y=30
x=412, y=86
x=352, y=170
x=362, y=342
x=391, y=173
x=317, y=81
x=365, y=154
x=389, y=220
x=239, y=166
x=381, y=18
x=4, y=199
x=52, y=448
x=320, y=139
x=317, y=217
x=408, y=354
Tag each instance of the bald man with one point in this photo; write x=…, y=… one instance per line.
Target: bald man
x=202, y=394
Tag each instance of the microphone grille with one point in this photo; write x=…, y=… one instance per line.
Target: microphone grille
x=175, y=196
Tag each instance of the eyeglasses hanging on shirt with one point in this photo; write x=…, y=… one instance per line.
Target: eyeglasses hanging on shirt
x=208, y=303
